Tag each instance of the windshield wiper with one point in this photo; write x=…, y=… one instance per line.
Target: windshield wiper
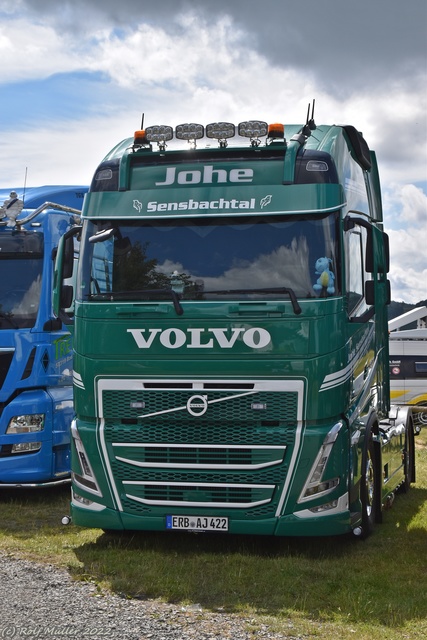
x=131, y=295
x=8, y=317
x=290, y=292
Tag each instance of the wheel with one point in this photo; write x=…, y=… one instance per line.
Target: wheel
x=420, y=420
x=370, y=485
x=409, y=457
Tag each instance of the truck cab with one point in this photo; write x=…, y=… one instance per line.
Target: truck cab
x=36, y=401
x=231, y=343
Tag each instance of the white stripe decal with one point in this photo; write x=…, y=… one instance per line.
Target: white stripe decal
x=339, y=377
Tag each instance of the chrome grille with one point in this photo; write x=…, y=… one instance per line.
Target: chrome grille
x=235, y=455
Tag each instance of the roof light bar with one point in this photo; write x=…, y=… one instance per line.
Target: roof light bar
x=220, y=130
x=159, y=133
x=253, y=129
x=189, y=131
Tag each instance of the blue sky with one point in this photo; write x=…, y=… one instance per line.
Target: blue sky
x=75, y=77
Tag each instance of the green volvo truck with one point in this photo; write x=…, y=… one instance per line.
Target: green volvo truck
x=231, y=365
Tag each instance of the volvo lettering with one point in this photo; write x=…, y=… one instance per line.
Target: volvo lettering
x=174, y=338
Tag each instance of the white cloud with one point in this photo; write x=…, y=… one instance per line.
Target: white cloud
x=60, y=154
x=408, y=285
x=181, y=67
x=406, y=224
x=408, y=264
x=29, y=51
x=202, y=69
x=405, y=205
x=414, y=209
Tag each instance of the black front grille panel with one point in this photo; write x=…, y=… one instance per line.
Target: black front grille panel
x=6, y=358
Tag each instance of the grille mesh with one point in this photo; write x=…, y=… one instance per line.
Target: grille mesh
x=184, y=493
x=119, y=405
x=201, y=431
x=196, y=455
x=242, y=431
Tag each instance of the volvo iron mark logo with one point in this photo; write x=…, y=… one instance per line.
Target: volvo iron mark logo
x=197, y=405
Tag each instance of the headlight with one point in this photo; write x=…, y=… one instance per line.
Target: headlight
x=315, y=484
x=26, y=447
x=27, y=423
x=86, y=479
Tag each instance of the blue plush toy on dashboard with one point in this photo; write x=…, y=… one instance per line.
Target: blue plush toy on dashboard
x=326, y=279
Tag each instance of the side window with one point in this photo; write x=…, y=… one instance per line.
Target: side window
x=70, y=270
x=101, y=276
x=421, y=369
x=356, y=274
x=94, y=270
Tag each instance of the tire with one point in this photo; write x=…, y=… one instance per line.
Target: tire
x=420, y=420
x=409, y=457
x=370, y=485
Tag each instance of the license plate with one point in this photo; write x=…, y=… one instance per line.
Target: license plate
x=197, y=523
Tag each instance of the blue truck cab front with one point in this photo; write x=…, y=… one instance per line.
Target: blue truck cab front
x=36, y=401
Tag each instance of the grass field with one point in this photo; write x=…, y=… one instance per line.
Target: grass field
x=331, y=588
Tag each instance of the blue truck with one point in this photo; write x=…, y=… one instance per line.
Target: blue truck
x=36, y=397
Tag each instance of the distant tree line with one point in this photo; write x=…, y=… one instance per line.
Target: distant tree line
x=398, y=308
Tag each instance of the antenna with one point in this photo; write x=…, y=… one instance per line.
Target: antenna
x=142, y=122
x=310, y=125
x=311, y=122
x=308, y=114
x=25, y=184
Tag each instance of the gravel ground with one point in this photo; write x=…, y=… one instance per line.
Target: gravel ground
x=42, y=601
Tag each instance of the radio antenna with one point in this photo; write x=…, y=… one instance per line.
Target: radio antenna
x=142, y=122
x=310, y=125
x=311, y=122
x=25, y=184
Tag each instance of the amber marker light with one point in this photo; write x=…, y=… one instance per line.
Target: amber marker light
x=140, y=137
x=276, y=130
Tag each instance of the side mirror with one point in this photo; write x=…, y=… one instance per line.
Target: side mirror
x=349, y=223
x=387, y=252
x=67, y=292
x=63, y=291
x=68, y=264
x=370, y=292
x=388, y=292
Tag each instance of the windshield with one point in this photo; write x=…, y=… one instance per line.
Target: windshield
x=21, y=265
x=255, y=258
